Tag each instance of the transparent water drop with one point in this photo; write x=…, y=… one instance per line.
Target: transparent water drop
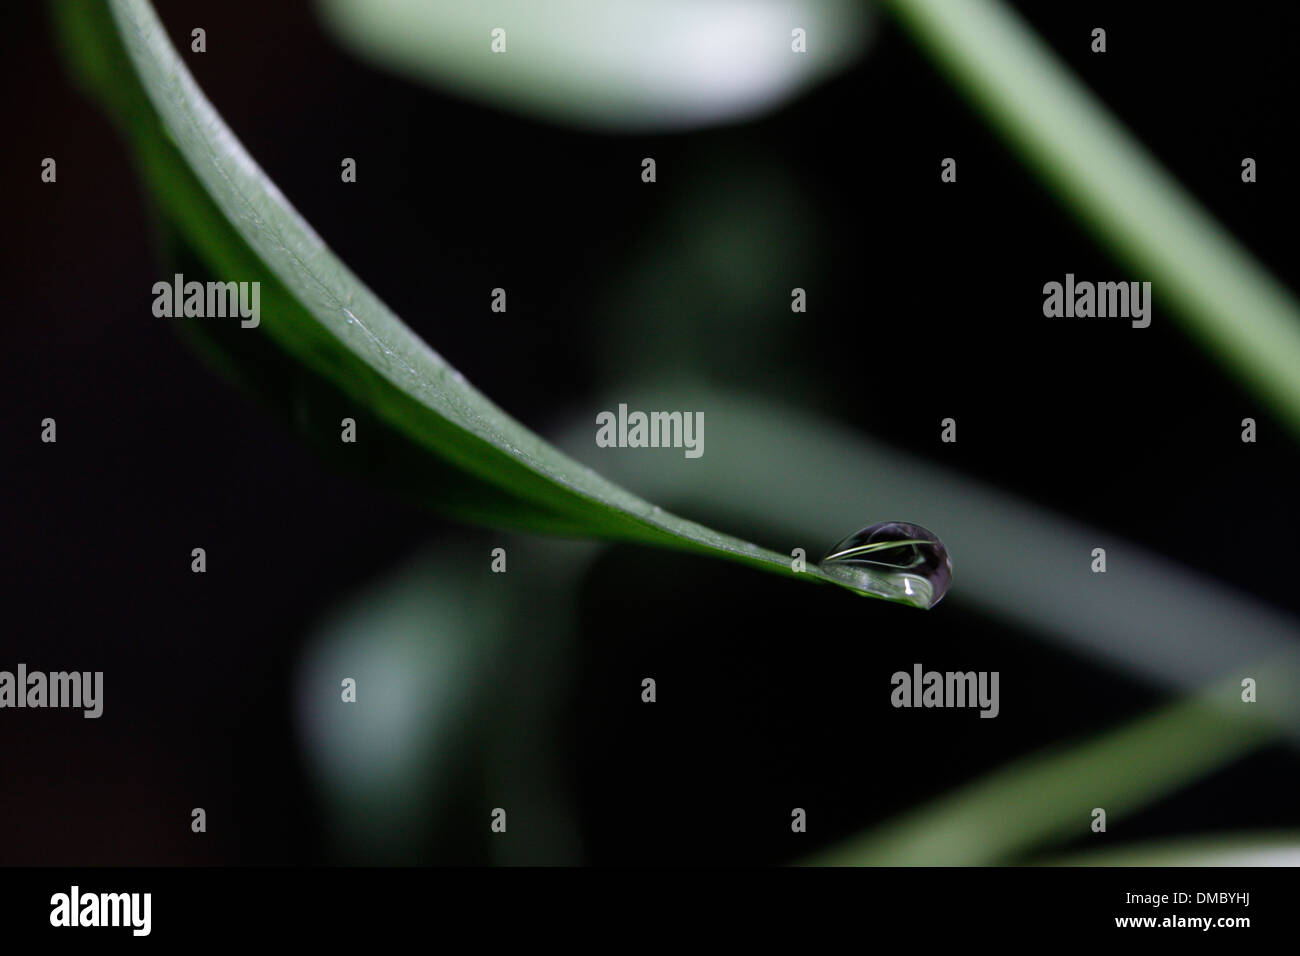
x=894, y=559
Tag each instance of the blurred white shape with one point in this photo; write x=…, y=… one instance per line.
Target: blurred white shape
x=612, y=64
x=1272, y=856
x=416, y=646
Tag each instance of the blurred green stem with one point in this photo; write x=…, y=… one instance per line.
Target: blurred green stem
x=1237, y=311
x=1049, y=798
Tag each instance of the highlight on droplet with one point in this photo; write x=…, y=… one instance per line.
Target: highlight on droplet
x=897, y=560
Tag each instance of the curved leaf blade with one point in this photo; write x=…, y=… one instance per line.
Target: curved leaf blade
x=319, y=313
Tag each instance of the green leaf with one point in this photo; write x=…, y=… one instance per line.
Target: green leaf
x=324, y=333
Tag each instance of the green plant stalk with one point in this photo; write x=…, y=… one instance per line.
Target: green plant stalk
x=1229, y=303
x=1048, y=798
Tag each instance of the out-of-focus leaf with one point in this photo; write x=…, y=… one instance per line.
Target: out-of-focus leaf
x=1231, y=305
x=422, y=647
x=1050, y=797
x=461, y=689
x=621, y=64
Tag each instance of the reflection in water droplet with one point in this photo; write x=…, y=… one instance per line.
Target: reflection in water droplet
x=894, y=559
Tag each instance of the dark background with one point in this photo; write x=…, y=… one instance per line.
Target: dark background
x=925, y=302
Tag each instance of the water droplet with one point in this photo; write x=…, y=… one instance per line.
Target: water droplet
x=894, y=559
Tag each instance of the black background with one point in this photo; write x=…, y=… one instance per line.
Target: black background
x=1135, y=433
